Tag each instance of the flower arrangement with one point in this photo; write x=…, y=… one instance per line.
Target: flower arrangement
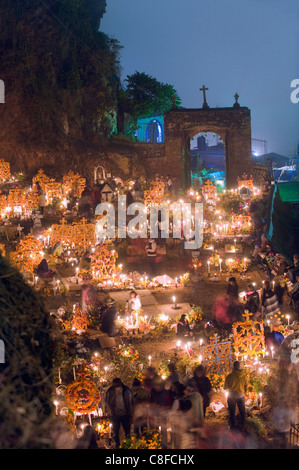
x=184, y=279
x=214, y=259
x=238, y=265
x=103, y=263
x=73, y=184
x=79, y=321
x=4, y=170
x=151, y=439
x=249, y=337
x=195, y=314
x=28, y=255
x=103, y=428
x=128, y=353
x=217, y=380
x=82, y=396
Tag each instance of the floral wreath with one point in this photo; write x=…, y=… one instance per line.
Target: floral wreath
x=82, y=396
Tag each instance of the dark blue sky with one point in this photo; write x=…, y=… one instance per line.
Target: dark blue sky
x=248, y=46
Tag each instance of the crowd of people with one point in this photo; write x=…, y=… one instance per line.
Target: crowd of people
x=161, y=404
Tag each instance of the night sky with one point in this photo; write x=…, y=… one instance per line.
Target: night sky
x=245, y=46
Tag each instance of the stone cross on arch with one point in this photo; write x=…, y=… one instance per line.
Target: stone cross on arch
x=204, y=89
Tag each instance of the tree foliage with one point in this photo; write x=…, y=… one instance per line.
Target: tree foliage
x=147, y=96
x=54, y=56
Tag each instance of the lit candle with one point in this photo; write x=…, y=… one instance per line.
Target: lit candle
x=244, y=264
x=174, y=301
x=110, y=427
x=261, y=402
x=74, y=373
x=288, y=318
x=200, y=358
x=150, y=360
x=220, y=261
x=56, y=407
x=200, y=342
x=272, y=351
x=208, y=267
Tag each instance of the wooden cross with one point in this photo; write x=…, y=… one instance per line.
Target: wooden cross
x=204, y=89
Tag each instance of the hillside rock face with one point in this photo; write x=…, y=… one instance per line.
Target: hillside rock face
x=61, y=77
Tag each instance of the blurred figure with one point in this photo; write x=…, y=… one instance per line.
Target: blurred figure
x=108, y=318
x=232, y=288
x=252, y=299
x=150, y=375
x=293, y=271
x=133, y=303
x=151, y=253
x=269, y=300
x=140, y=407
x=160, y=401
x=182, y=424
x=196, y=399
x=88, y=440
x=120, y=403
x=183, y=327
x=236, y=384
x=203, y=385
x=173, y=376
x=282, y=417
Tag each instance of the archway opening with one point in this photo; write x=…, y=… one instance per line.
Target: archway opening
x=207, y=159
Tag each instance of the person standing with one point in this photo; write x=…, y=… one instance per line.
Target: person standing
x=108, y=317
x=293, y=270
x=151, y=253
x=236, y=384
x=191, y=393
x=42, y=201
x=133, y=304
x=120, y=403
x=232, y=288
x=203, y=385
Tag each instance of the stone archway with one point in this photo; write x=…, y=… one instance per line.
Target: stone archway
x=232, y=124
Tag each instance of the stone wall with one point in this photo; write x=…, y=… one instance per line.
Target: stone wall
x=232, y=124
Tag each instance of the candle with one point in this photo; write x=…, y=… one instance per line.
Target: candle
x=208, y=267
x=150, y=360
x=200, y=341
x=56, y=407
x=261, y=403
x=178, y=345
x=244, y=264
x=226, y=396
x=59, y=377
x=174, y=301
x=288, y=318
x=272, y=351
x=200, y=358
x=74, y=373
x=110, y=434
x=220, y=261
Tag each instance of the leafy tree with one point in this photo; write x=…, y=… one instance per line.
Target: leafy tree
x=147, y=96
